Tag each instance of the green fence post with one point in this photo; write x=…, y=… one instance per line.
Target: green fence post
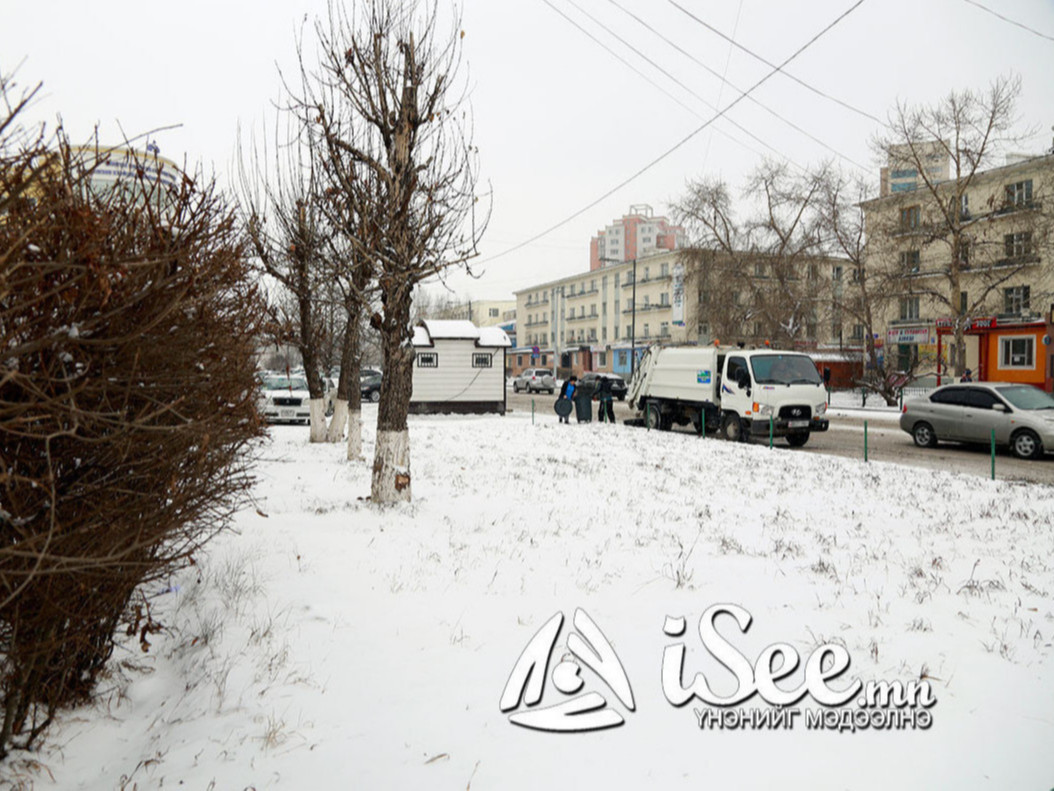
x=901, y=398
x=993, y=454
x=772, y=429
x=532, y=411
x=863, y=396
x=865, y=441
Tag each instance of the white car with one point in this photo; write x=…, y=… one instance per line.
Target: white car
x=285, y=399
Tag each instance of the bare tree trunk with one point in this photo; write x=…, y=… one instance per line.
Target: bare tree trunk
x=391, y=460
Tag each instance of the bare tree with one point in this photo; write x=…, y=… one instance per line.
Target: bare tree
x=386, y=103
x=863, y=296
x=285, y=226
x=763, y=277
x=938, y=243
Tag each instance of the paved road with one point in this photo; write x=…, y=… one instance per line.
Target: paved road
x=886, y=442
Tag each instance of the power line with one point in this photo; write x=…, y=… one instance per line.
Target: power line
x=724, y=81
x=1011, y=21
x=724, y=73
x=787, y=74
x=651, y=82
x=683, y=140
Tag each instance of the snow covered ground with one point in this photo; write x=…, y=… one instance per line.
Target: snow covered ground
x=331, y=644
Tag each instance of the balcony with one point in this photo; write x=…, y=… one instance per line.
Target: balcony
x=583, y=293
x=587, y=317
x=536, y=324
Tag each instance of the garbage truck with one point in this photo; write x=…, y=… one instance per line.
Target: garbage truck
x=737, y=393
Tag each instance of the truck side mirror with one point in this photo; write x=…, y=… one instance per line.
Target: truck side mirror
x=826, y=375
x=742, y=379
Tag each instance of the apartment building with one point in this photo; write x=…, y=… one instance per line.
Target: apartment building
x=989, y=239
x=634, y=236
x=481, y=312
x=592, y=320
x=910, y=166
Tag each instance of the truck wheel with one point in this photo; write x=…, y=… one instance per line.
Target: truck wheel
x=732, y=428
x=797, y=439
x=652, y=416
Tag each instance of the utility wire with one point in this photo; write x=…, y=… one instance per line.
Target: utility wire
x=787, y=74
x=656, y=85
x=683, y=140
x=724, y=73
x=1011, y=21
x=724, y=81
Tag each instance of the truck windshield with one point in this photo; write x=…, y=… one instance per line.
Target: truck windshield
x=784, y=369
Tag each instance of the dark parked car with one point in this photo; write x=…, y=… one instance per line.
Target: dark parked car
x=370, y=387
x=1021, y=416
x=618, y=384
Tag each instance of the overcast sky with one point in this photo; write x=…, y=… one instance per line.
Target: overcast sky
x=559, y=120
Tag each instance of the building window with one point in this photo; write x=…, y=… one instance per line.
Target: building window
x=664, y=270
x=647, y=272
x=909, y=261
x=1018, y=245
x=836, y=273
x=647, y=300
x=629, y=331
x=1017, y=352
x=602, y=359
x=909, y=218
x=909, y=308
x=664, y=329
x=482, y=360
x=1019, y=193
x=616, y=332
x=858, y=332
x=593, y=309
x=964, y=302
x=759, y=269
x=603, y=333
x=1016, y=299
x=493, y=313
x=545, y=359
x=545, y=338
x=814, y=272
x=427, y=360
x=664, y=298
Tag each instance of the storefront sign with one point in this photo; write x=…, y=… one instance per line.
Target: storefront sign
x=910, y=335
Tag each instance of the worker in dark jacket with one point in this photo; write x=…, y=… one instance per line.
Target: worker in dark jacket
x=605, y=407
x=567, y=390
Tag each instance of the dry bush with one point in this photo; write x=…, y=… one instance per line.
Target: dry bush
x=127, y=406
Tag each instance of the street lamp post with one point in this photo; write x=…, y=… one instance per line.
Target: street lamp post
x=633, y=326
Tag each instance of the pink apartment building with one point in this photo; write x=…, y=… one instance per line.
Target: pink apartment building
x=635, y=235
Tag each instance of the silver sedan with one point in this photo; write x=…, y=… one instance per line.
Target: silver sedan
x=1021, y=416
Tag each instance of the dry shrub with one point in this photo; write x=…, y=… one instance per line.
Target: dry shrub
x=127, y=406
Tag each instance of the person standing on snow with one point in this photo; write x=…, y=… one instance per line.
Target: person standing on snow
x=605, y=407
x=567, y=390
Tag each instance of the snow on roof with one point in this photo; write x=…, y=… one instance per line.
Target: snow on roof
x=438, y=328
x=431, y=330
x=493, y=336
